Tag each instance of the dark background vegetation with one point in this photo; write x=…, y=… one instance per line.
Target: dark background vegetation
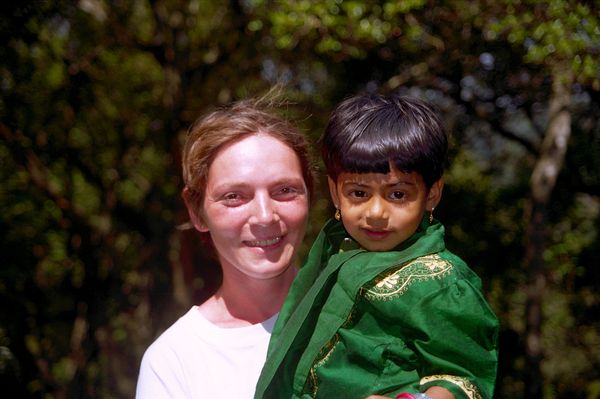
x=96, y=95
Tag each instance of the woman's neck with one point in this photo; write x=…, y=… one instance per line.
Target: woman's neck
x=241, y=303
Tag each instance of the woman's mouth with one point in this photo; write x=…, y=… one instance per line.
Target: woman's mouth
x=263, y=243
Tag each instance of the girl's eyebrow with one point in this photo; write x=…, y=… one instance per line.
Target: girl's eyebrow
x=402, y=183
x=353, y=182
x=391, y=184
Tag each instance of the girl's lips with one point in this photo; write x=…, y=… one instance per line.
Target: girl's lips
x=376, y=234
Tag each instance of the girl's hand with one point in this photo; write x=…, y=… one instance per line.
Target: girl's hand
x=433, y=392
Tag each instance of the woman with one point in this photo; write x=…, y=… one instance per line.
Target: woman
x=248, y=181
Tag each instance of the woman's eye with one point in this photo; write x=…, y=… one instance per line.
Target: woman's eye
x=231, y=198
x=287, y=192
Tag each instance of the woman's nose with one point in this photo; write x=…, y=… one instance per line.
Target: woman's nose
x=264, y=211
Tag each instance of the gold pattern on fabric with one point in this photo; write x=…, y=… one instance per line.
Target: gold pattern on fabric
x=389, y=285
x=394, y=282
x=326, y=351
x=323, y=357
x=312, y=382
x=467, y=386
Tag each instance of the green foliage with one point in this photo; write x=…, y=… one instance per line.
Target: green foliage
x=554, y=33
x=345, y=28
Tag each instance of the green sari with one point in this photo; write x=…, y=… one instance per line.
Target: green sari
x=357, y=323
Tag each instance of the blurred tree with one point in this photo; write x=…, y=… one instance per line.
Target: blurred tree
x=563, y=40
x=94, y=101
x=510, y=74
x=88, y=200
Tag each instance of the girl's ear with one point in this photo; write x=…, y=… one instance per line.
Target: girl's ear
x=435, y=194
x=193, y=205
x=333, y=192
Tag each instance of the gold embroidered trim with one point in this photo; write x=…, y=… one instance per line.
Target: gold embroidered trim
x=467, y=386
x=393, y=283
x=326, y=351
x=312, y=382
x=389, y=285
x=324, y=355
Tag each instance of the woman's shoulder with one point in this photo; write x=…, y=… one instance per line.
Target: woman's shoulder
x=170, y=344
x=173, y=334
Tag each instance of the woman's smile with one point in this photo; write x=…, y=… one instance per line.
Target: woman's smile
x=263, y=243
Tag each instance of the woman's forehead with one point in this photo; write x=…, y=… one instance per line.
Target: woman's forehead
x=258, y=143
x=255, y=157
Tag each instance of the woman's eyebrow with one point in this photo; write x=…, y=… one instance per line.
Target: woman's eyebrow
x=233, y=185
x=230, y=186
x=289, y=180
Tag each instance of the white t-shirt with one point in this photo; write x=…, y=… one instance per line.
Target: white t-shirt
x=195, y=359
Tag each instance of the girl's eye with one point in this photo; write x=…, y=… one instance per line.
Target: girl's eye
x=397, y=195
x=358, y=193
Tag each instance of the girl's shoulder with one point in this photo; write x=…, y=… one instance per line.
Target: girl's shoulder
x=425, y=273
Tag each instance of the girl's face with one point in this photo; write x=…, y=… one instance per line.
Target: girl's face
x=255, y=207
x=380, y=211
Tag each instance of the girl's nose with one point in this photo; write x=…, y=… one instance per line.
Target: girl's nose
x=376, y=208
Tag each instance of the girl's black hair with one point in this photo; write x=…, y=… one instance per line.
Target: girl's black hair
x=367, y=132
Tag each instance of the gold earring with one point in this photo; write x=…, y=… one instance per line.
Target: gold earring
x=431, y=215
x=338, y=214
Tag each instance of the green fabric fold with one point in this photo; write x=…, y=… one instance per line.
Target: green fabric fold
x=340, y=334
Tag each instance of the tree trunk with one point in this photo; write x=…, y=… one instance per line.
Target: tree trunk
x=543, y=180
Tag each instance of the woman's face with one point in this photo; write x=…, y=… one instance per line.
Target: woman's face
x=255, y=207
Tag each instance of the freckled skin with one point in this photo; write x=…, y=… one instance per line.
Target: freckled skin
x=255, y=207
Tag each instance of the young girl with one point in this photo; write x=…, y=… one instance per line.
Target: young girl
x=382, y=307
